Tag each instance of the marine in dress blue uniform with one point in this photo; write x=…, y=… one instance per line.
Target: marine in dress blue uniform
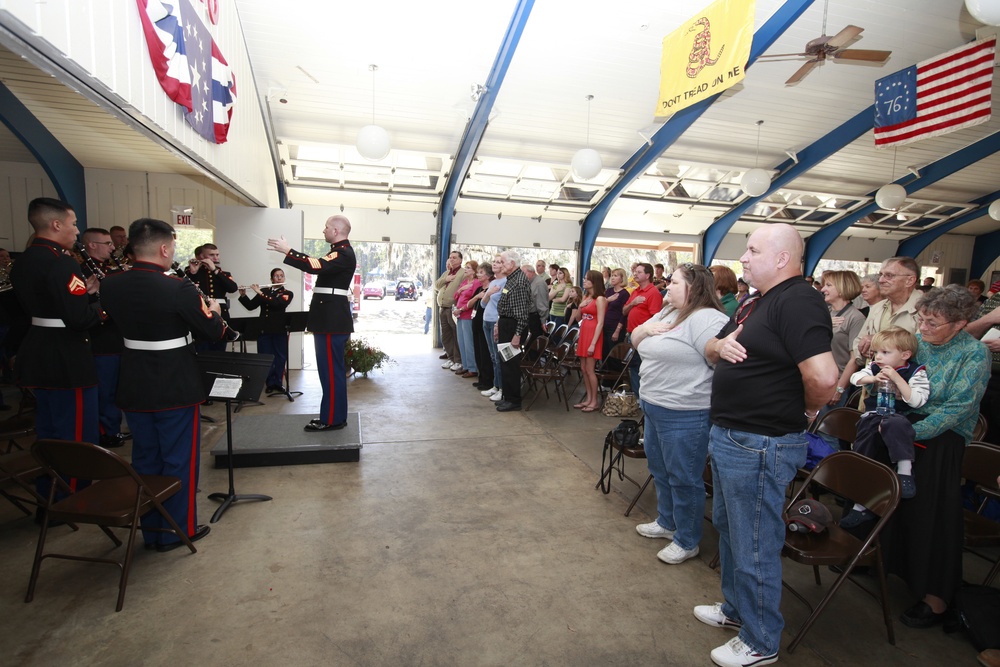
x=55, y=360
x=273, y=337
x=105, y=339
x=160, y=386
x=330, y=319
x=207, y=274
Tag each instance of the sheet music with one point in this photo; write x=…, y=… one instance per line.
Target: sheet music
x=226, y=387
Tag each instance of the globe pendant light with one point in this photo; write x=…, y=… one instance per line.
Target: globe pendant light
x=984, y=11
x=586, y=163
x=891, y=195
x=756, y=181
x=373, y=141
x=994, y=210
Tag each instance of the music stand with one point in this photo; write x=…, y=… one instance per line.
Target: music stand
x=294, y=323
x=249, y=372
x=250, y=329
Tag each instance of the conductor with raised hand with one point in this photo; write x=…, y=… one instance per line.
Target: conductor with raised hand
x=330, y=319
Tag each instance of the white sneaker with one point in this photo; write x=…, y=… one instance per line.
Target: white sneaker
x=654, y=529
x=497, y=397
x=456, y=366
x=447, y=365
x=711, y=614
x=674, y=554
x=489, y=392
x=735, y=653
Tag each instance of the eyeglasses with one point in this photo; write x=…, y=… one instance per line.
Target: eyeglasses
x=743, y=312
x=109, y=243
x=891, y=276
x=925, y=324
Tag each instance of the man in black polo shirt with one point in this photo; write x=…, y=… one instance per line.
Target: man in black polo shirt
x=774, y=372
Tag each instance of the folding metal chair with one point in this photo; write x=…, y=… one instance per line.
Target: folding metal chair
x=118, y=497
x=981, y=466
x=549, y=371
x=860, y=480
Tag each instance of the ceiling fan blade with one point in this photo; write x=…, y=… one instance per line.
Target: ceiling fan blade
x=844, y=36
x=802, y=71
x=866, y=55
x=783, y=55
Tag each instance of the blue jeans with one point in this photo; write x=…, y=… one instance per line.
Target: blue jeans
x=427, y=320
x=467, y=346
x=492, y=346
x=676, y=449
x=750, y=473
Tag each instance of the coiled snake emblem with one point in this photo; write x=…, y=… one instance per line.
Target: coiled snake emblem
x=701, y=56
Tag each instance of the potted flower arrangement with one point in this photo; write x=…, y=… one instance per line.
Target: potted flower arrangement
x=360, y=356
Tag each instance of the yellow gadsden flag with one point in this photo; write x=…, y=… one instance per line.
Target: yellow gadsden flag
x=706, y=55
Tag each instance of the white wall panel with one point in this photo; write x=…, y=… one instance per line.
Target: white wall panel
x=245, y=255
x=22, y=181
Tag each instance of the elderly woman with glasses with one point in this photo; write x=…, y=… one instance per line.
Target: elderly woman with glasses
x=675, y=393
x=924, y=538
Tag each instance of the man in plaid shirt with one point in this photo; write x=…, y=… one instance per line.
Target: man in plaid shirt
x=512, y=327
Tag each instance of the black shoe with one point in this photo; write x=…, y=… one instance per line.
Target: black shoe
x=907, y=487
x=507, y=406
x=443, y=356
x=854, y=518
x=200, y=532
x=270, y=389
x=483, y=385
x=208, y=403
x=320, y=426
x=921, y=615
x=112, y=441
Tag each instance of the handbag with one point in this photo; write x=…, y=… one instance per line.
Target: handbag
x=627, y=435
x=621, y=403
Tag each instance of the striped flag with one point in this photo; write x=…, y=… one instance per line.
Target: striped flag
x=937, y=96
x=189, y=65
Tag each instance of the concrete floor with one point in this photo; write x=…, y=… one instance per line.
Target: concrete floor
x=463, y=537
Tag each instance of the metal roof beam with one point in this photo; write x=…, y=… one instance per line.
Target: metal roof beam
x=669, y=132
x=476, y=127
x=985, y=252
x=65, y=172
x=789, y=170
x=820, y=242
x=916, y=244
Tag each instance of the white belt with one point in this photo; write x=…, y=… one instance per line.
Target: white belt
x=157, y=345
x=331, y=290
x=54, y=323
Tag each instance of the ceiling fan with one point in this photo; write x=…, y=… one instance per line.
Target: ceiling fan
x=824, y=46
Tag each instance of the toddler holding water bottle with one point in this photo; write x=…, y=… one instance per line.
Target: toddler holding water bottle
x=894, y=373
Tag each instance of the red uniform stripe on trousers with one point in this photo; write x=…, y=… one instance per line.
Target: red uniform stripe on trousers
x=77, y=425
x=329, y=375
x=193, y=481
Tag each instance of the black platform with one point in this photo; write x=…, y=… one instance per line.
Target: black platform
x=278, y=440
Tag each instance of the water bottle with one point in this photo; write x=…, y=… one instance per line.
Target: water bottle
x=886, y=402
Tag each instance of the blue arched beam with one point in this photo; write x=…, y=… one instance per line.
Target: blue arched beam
x=820, y=242
x=916, y=244
x=476, y=127
x=986, y=250
x=788, y=171
x=64, y=171
x=668, y=133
